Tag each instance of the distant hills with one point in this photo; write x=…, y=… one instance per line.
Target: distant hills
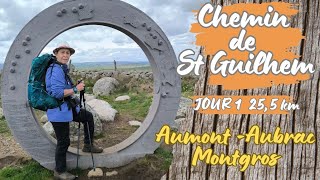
x=106, y=65
x=99, y=65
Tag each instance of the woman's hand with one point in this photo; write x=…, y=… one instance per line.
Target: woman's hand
x=80, y=86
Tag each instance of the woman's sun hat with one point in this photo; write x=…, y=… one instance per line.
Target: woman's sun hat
x=64, y=45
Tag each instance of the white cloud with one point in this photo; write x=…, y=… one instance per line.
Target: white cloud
x=99, y=43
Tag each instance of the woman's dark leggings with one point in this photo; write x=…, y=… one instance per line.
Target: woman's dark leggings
x=62, y=130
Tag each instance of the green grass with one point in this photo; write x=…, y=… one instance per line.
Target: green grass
x=166, y=155
x=4, y=129
x=187, y=94
x=187, y=86
x=137, y=107
x=34, y=171
x=29, y=171
x=136, y=68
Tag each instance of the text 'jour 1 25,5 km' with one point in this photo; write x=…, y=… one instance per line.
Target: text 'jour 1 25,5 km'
x=243, y=104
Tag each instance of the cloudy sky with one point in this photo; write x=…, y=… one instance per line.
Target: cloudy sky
x=173, y=16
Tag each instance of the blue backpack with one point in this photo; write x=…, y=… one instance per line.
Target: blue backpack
x=38, y=97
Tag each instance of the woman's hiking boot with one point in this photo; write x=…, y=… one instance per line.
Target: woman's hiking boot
x=95, y=149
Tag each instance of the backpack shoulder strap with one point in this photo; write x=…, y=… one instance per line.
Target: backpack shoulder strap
x=52, y=66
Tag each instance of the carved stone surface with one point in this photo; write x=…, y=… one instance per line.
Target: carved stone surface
x=19, y=115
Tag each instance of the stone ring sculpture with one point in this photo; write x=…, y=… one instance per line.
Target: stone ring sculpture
x=73, y=13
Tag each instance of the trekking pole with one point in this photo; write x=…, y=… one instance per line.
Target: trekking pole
x=78, y=147
x=85, y=115
x=79, y=127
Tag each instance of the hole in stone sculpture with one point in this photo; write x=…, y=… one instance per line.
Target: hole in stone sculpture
x=118, y=78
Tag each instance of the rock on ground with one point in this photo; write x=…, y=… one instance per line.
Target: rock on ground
x=105, y=86
x=44, y=119
x=88, y=97
x=95, y=173
x=11, y=153
x=112, y=173
x=135, y=123
x=97, y=126
x=74, y=126
x=122, y=98
x=48, y=128
x=103, y=109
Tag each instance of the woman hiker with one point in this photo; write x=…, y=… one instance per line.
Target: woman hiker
x=60, y=86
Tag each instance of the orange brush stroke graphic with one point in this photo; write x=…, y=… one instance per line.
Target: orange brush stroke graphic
x=281, y=41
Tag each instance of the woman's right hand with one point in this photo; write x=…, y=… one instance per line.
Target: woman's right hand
x=80, y=86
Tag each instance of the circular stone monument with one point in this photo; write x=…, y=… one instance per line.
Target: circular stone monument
x=73, y=13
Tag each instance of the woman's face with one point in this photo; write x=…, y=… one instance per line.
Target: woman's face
x=63, y=56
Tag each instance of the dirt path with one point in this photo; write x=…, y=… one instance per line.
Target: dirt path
x=11, y=152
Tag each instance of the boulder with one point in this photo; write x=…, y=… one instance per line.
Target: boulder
x=48, y=128
x=103, y=109
x=112, y=173
x=105, y=86
x=133, y=83
x=96, y=76
x=115, y=74
x=88, y=97
x=137, y=76
x=124, y=77
x=44, y=119
x=143, y=76
x=107, y=74
x=83, y=74
x=135, y=123
x=97, y=172
x=97, y=125
x=122, y=98
x=149, y=75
